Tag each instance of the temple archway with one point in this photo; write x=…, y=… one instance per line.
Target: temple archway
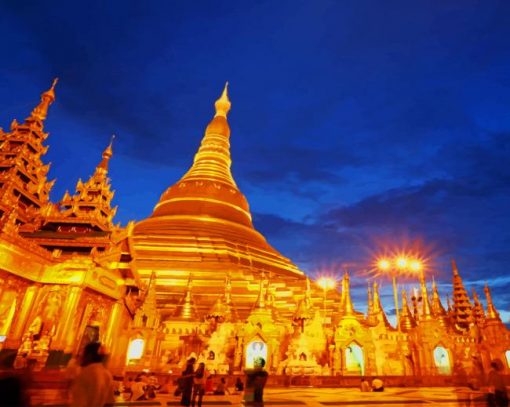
x=354, y=359
x=507, y=356
x=255, y=349
x=442, y=360
x=135, y=351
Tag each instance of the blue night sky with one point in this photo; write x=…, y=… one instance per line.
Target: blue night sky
x=356, y=125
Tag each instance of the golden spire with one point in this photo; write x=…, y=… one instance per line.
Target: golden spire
x=348, y=309
x=478, y=312
x=261, y=299
x=212, y=161
x=47, y=98
x=437, y=306
x=370, y=301
x=491, y=309
x=378, y=314
x=462, y=308
x=407, y=321
x=223, y=104
x=187, y=311
x=426, y=313
x=107, y=154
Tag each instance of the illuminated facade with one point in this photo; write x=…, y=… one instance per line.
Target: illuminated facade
x=197, y=278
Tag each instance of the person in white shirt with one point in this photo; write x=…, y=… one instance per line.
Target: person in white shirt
x=93, y=386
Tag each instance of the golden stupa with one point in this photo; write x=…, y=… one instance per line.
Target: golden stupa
x=202, y=228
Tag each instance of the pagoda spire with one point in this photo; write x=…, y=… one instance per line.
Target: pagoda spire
x=261, y=299
x=212, y=160
x=347, y=307
x=438, y=310
x=92, y=201
x=378, y=311
x=478, y=312
x=426, y=314
x=22, y=172
x=407, y=321
x=492, y=314
x=223, y=309
x=187, y=309
x=41, y=110
x=462, y=309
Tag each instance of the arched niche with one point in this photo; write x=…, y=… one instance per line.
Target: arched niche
x=257, y=348
x=507, y=357
x=354, y=359
x=442, y=360
x=135, y=350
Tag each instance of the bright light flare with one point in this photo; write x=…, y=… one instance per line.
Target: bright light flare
x=415, y=266
x=384, y=264
x=402, y=263
x=326, y=283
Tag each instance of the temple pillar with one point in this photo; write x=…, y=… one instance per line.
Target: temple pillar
x=64, y=339
x=13, y=341
x=113, y=325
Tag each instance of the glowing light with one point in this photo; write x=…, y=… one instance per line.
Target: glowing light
x=415, y=266
x=326, y=283
x=135, y=349
x=402, y=263
x=384, y=264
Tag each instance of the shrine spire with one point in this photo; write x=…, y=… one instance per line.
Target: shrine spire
x=222, y=105
x=47, y=98
x=492, y=314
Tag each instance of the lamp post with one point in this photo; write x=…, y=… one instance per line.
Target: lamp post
x=326, y=283
x=396, y=266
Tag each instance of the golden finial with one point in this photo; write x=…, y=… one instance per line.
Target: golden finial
x=223, y=104
x=348, y=308
x=47, y=98
x=454, y=268
x=491, y=309
x=107, y=154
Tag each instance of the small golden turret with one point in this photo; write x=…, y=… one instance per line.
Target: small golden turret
x=438, y=310
x=492, y=314
x=186, y=310
x=347, y=309
x=426, y=314
x=407, y=322
x=462, y=308
x=478, y=312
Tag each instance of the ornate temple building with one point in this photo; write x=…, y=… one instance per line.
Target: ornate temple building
x=197, y=278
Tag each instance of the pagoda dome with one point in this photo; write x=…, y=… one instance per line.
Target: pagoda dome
x=202, y=225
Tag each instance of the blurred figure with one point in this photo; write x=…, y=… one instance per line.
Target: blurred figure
x=185, y=382
x=377, y=385
x=138, y=388
x=13, y=392
x=239, y=386
x=365, y=386
x=93, y=386
x=255, y=381
x=199, y=385
x=209, y=385
x=221, y=388
x=497, y=396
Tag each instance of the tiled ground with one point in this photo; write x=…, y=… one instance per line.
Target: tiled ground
x=445, y=397
x=318, y=397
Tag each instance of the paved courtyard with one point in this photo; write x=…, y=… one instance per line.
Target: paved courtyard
x=443, y=396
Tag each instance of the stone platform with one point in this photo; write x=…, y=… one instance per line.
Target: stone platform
x=310, y=397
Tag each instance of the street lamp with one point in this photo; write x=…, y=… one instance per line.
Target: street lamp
x=326, y=283
x=399, y=265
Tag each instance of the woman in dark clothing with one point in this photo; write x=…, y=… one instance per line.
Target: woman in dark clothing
x=186, y=383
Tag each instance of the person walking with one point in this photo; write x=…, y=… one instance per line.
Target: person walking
x=199, y=385
x=255, y=381
x=186, y=382
x=93, y=386
x=498, y=396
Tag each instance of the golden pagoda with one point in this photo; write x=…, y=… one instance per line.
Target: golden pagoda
x=202, y=226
